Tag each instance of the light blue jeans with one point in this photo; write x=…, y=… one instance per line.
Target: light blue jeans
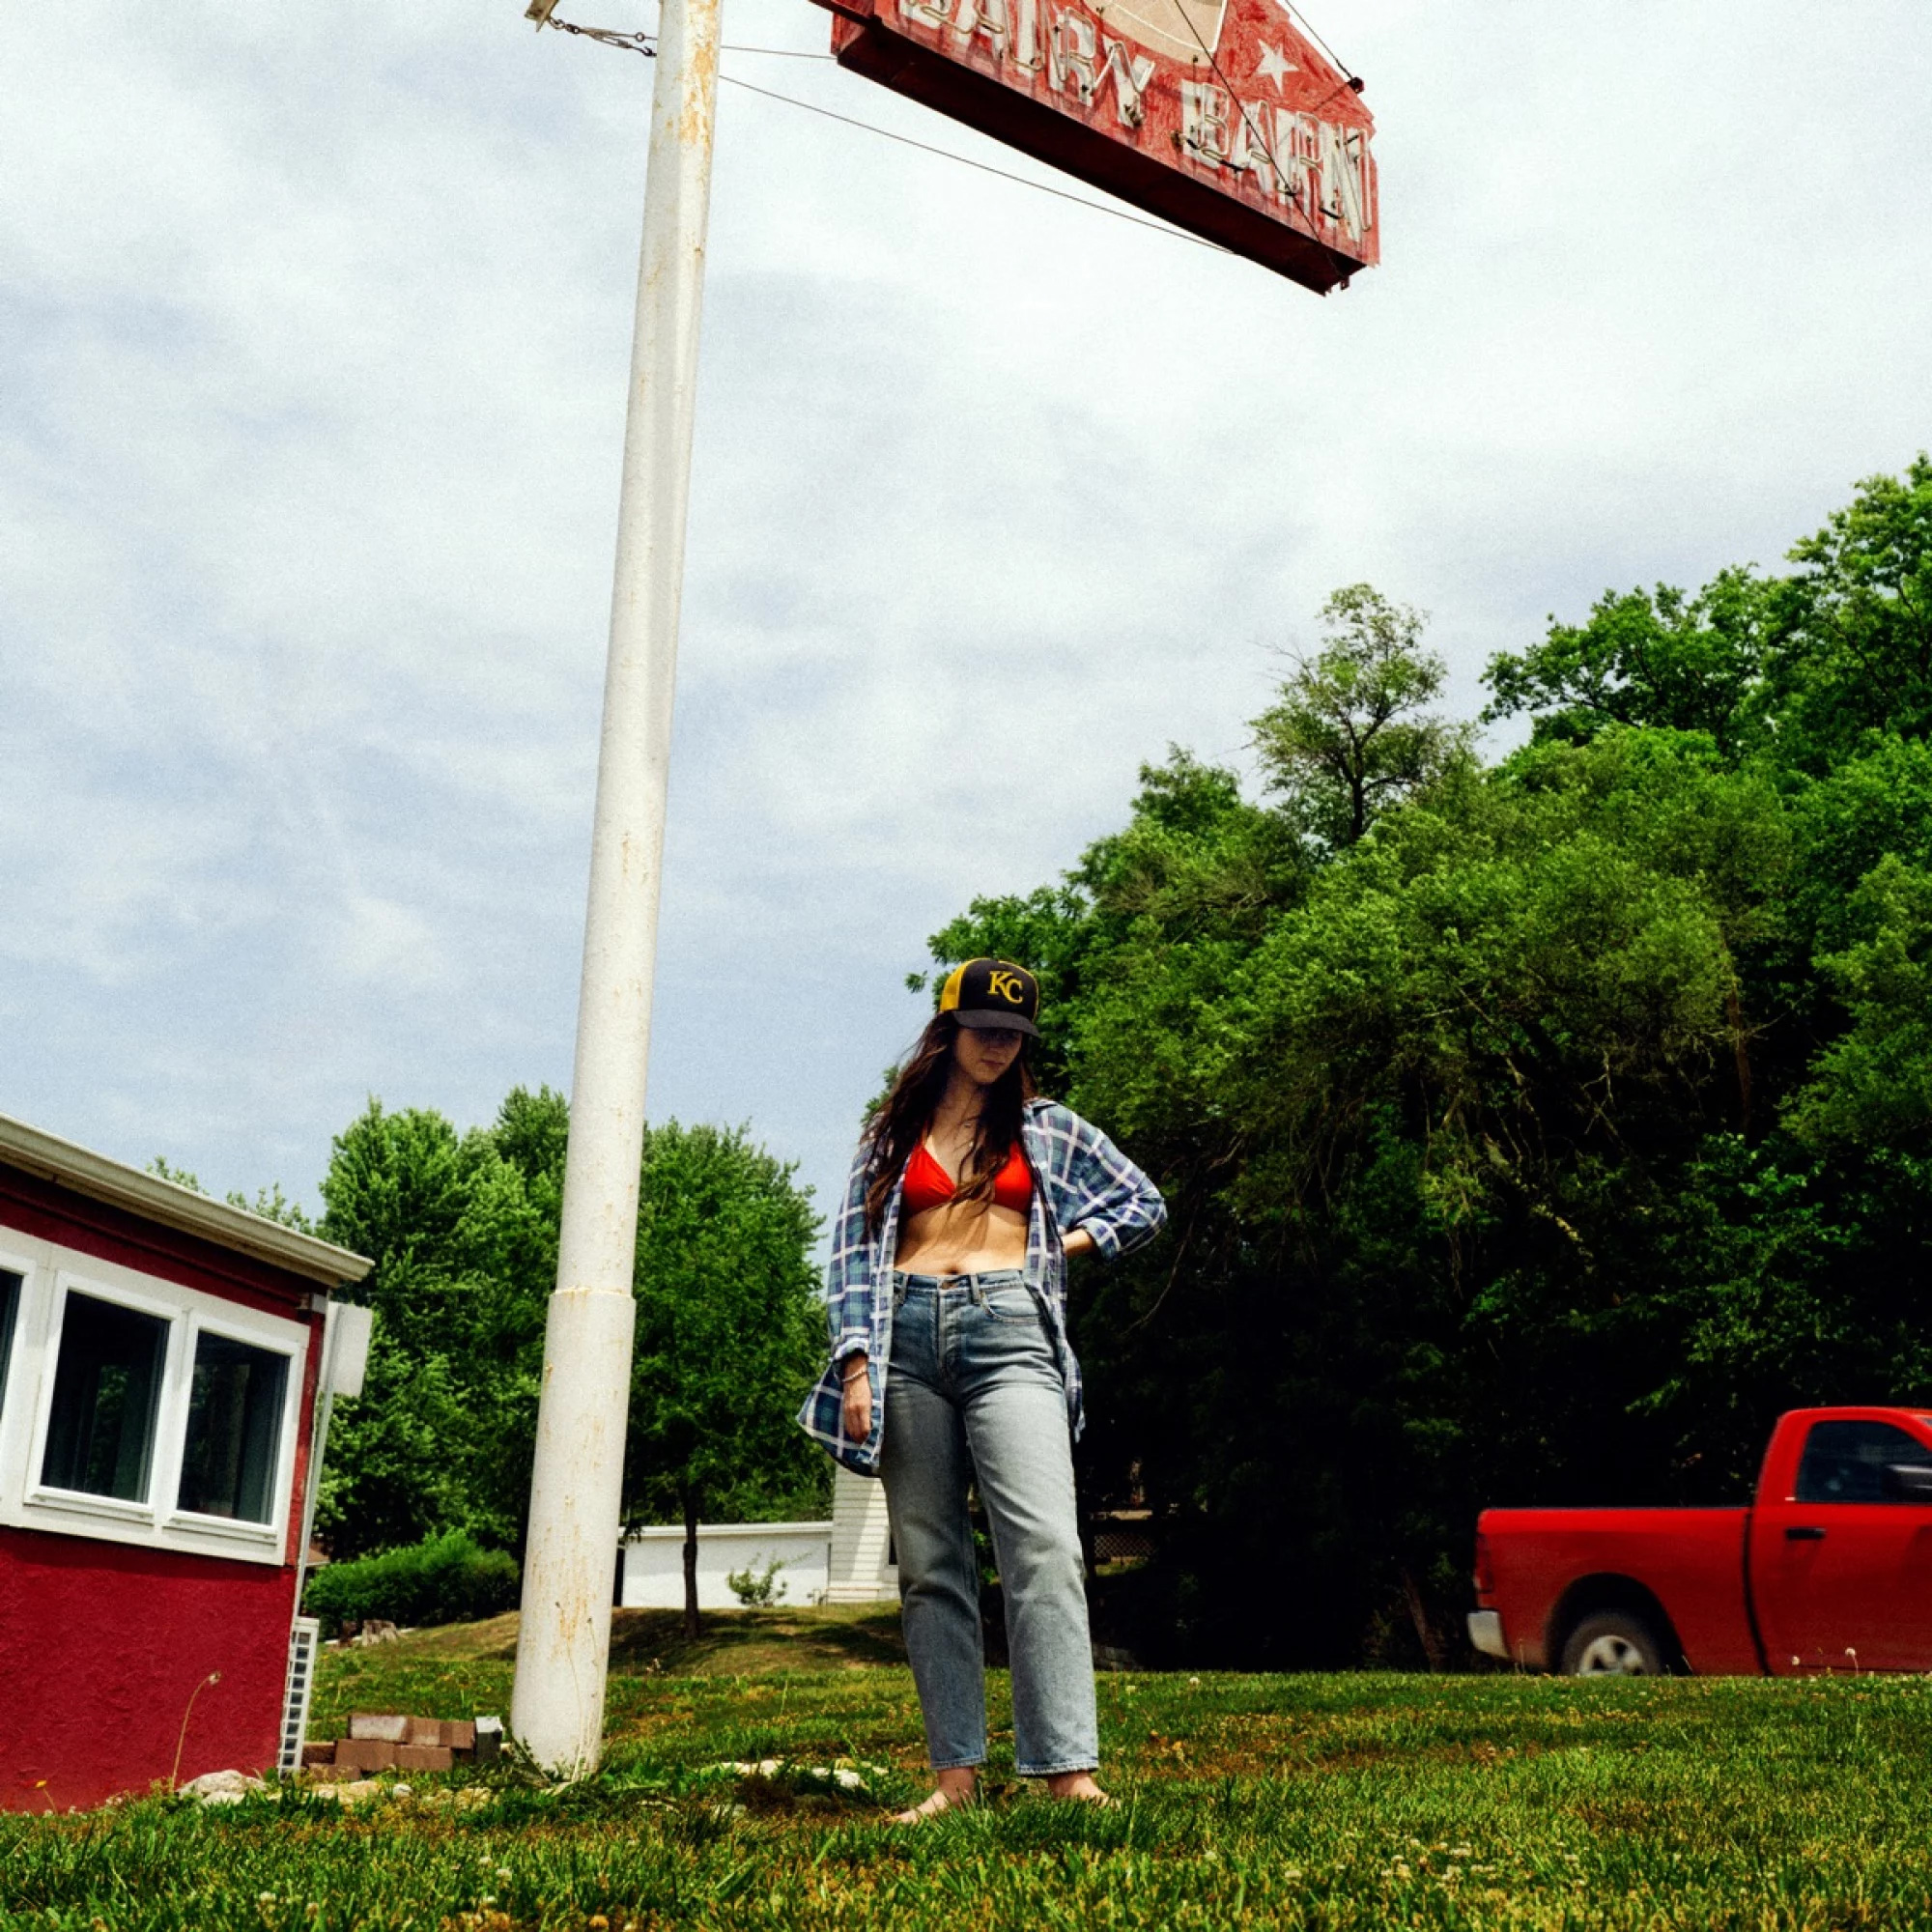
x=976, y=1392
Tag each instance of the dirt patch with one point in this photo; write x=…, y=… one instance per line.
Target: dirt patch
x=1620, y=1814
x=1258, y=1745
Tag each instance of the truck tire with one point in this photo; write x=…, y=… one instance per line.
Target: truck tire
x=1614, y=1643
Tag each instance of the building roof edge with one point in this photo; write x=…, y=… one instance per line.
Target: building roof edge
x=83, y=1172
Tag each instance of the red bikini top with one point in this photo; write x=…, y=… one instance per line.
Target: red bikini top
x=928, y=1185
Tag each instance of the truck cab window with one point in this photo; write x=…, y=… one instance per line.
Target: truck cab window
x=1850, y=1462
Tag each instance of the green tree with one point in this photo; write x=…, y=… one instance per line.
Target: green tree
x=1872, y=1086
x=731, y=1334
x=1661, y=658
x=1540, y=1147
x=464, y=1241
x=463, y=1228
x=1854, y=663
x=1350, y=733
x=1406, y=1129
x=269, y=1202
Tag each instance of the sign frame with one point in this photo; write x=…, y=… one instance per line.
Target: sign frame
x=1218, y=115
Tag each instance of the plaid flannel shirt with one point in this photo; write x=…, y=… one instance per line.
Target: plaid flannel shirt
x=1081, y=1180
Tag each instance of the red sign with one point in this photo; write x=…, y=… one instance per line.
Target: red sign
x=1216, y=115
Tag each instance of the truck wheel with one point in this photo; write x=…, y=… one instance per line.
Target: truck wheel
x=1614, y=1643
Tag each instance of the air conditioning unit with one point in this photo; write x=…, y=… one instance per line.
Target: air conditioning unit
x=304, y=1641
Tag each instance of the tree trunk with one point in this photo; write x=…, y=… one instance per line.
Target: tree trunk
x=1734, y=1010
x=1433, y=1649
x=691, y=1623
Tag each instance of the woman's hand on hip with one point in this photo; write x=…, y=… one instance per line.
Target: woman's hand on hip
x=858, y=1398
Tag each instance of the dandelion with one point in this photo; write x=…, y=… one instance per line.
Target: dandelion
x=503, y=1874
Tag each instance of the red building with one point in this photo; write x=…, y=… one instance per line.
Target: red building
x=164, y=1359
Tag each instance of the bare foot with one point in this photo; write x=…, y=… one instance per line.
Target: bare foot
x=1077, y=1785
x=953, y=1793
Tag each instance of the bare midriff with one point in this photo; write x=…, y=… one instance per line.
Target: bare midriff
x=962, y=1237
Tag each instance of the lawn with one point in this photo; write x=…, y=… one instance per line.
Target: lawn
x=1316, y=1800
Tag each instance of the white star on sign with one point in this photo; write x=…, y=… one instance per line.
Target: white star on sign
x=1273, y=64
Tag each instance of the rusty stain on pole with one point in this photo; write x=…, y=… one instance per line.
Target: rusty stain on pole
x=575, y=1489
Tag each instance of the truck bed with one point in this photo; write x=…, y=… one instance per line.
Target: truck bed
x=1689, y=1560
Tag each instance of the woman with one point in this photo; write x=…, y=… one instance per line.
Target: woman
x=947, y=1302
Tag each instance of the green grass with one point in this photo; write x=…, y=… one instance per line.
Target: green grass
x=1316, y=1800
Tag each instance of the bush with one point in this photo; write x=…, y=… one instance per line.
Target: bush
x=443, y=1579
x=757, y=1589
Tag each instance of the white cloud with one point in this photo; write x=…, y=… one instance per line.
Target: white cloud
x=315, y=330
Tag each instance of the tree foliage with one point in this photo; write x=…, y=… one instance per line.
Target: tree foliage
x=463, y=1228
x=731, y=1334
x=1350, y=733
x=1857, y=665
x=1533, y=1134
x=1645, y=658
x=462, y=1231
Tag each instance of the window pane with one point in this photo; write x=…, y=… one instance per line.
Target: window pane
x=1845, y=1461
x=234, y=1429
x=10, y=1307
x=100, y=1438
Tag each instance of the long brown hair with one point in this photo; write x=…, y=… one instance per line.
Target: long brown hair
x=906, y=1113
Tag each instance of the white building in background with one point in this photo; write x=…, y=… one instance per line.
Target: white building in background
x=862, y=1570
x=653, y=1560
x=847, y=1560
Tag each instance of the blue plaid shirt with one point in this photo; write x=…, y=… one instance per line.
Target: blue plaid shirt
x=1081, y=1180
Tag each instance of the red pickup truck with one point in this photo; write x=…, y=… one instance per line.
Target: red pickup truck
x=1829, y=1569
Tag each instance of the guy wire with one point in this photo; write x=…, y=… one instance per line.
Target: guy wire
x=646, y=45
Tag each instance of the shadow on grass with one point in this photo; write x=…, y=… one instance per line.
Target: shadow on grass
x=729, y=1643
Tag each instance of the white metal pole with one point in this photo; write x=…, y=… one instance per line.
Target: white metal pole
x=563, y=1645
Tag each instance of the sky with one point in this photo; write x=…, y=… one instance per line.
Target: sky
x=314, y=325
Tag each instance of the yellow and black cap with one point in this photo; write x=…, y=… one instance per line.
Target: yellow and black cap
x=984, y=993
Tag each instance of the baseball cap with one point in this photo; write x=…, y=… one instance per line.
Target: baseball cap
x=986, y=993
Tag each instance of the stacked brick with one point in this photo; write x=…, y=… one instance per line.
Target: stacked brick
x=385, y=1740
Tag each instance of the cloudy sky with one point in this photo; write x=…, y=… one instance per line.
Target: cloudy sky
x=313, y=332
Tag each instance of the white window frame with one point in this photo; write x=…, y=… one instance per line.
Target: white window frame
x=49, y=1274
x=40, y=1494
x=231, y=1324
x=14, y=1370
